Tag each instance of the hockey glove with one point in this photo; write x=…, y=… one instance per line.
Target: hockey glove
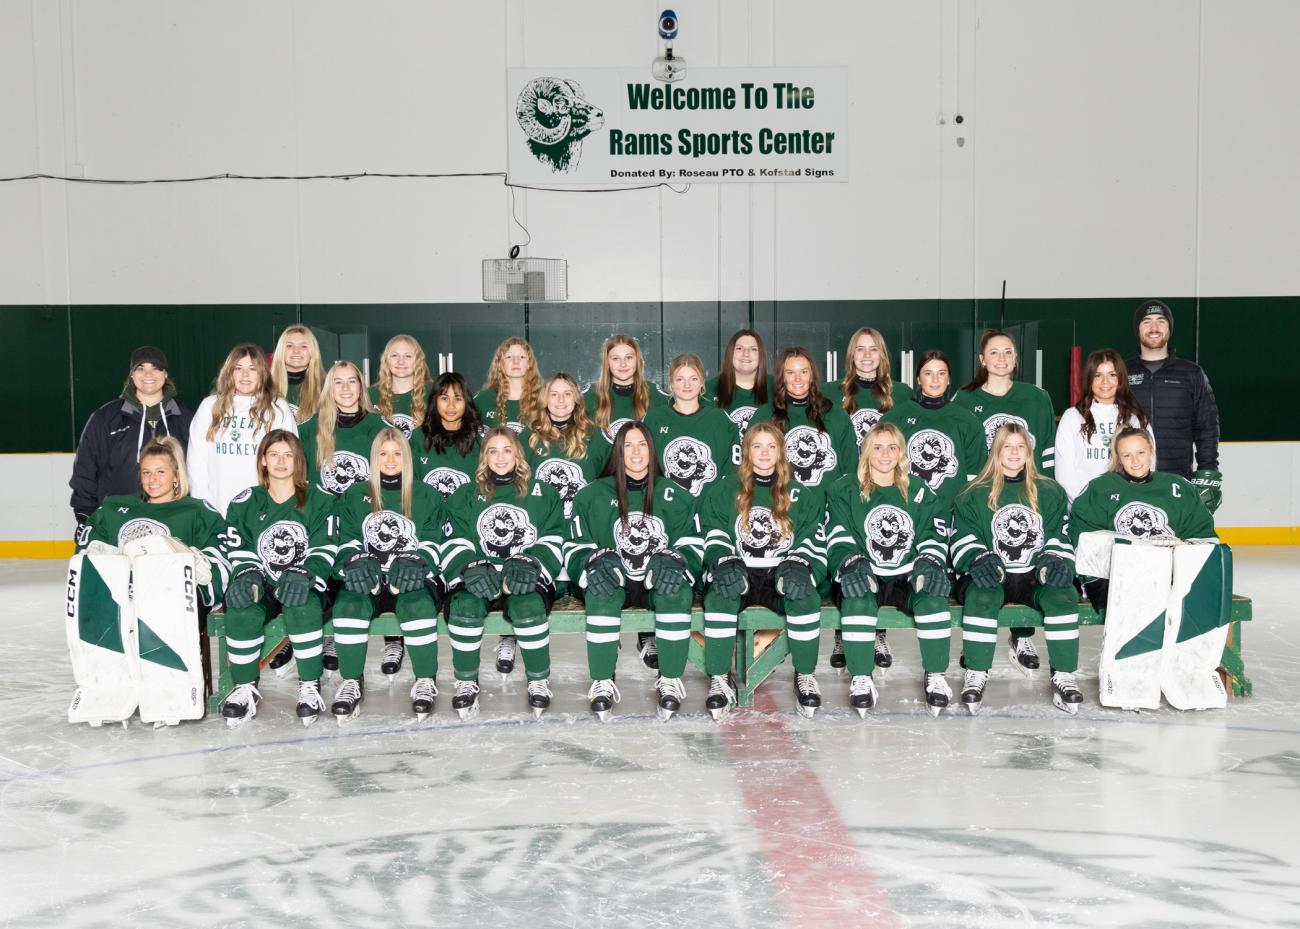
x=930, y=577
x=202, y=567
x=666, y=572
x=245, y=588
x=1209, y=486
x=361, y=574
x=856, y=579
x=987, y=571
x=294, y=587
x=520, y=574
x=406, y=573
x=794, y=579
x=730, y=577
x=604, y=572
x=1052, y=571
x=482, y=579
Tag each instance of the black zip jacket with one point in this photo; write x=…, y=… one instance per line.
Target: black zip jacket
x=1180, y=402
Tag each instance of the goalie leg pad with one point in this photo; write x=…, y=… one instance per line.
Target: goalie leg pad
x=1196, y=627
x=1129, y=667
x=101, y=630
x=166, y=595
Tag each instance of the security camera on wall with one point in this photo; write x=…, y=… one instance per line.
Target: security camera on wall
x=667, y=67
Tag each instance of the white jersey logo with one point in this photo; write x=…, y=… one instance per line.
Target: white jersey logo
x=403, y=423
x=612, y=432
x=997, y=421
x=348, y=468
x=890, y=533
x=446, y=480
x=689, y=462
x=282, y=545
x=635, y=542
x=759, y=538
x=565, y=476
x=387, y=533
x=1142, y=521
x=932, y=457
x=810, y=454
x=1017, y=534
x=741, y=416
x=863, y=420
x=139, y=528
x=505, y=530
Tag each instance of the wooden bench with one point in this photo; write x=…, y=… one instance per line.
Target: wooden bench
x=761, y=641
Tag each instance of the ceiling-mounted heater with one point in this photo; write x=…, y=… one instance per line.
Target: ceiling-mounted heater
x=525, y=280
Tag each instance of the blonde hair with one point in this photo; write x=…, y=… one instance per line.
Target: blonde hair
x=884, y=389
x=780, y=482
x=865, y=482
x=605, y=383
x=1130, y=432
x=263, y=411
x=687, y=360
x=482, y=474
x=991, y=476
x=314, y=376
x=529, y=395
x=420, y=379
x=390, y=434
x=327, y=411
x=544, y=434
x=171, y=449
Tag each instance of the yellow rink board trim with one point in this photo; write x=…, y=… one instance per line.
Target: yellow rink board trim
x=1234, y=536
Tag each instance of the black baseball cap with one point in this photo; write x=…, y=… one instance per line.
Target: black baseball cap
x=148, y=354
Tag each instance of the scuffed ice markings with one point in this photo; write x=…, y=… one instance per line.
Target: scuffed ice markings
x=562, y=874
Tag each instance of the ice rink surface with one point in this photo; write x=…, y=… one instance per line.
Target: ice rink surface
x=1021, y=816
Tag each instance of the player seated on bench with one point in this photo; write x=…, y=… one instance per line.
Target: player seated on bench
x=280, y=544
x=634, y=541
x=1010, y=544
x=120, y=661
x=1134, y=499
x=886, y=547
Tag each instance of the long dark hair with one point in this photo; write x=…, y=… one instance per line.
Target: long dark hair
x=438, y=438
x=299, y=463
x=1128, y=406
x=933, y=354
x=617, y=469
x=727, y=374
x=982, y=373
x=818, y=404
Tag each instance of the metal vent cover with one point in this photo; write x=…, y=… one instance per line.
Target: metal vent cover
x=525, y=280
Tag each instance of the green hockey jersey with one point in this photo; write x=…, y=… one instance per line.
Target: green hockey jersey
x=671, y=524
x=816, y=456
x=866, y=410
x=1025, y=404
x=945, y=447
x=402, y=419
x=694, y=450
x=504, y=523
x=757, y=540
x=273, y=536
x=890, y=529
x=125, y=518
x=351, y=464
x=743, y=402
x=445, y=471
x=1166, y=505
x=389, y=532
x=1017, y=533
x=621, y=410
x=486, y=401
x=566, y=475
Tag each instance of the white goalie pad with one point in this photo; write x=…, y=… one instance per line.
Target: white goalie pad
x=100, y=624
x=154, y=545
x=1200, y=605
x=1134, y=634
x=166, y=599
x=1092, y=554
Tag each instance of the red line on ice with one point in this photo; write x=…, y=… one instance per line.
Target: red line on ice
x=820, y=878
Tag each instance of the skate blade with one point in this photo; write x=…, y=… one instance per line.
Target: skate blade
x=308, y=720
x=232, y=722
x=465, y=712
x=1070, y=708
x=973, y=708
x=348, y=717
x=538, y=711
x=602, y=715
x=1015, y=663
x=720, y=713
x=807, y=712
x=862, y=712
x=665, y=714
x=421, y=717
x=934, y=711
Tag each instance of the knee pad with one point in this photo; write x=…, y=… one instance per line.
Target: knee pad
x=466, y=606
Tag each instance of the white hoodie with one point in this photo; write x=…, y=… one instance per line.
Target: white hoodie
x=220, y=469
x=1078, y=462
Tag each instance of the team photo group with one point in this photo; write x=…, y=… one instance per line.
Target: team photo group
x=299, y=491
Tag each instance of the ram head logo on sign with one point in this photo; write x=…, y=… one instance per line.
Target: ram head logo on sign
x=556, y=117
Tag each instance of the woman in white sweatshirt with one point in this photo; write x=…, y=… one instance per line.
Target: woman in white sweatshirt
x=228, y=426
x=1084, y=434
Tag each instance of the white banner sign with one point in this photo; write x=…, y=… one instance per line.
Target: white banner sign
x=611, y=127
